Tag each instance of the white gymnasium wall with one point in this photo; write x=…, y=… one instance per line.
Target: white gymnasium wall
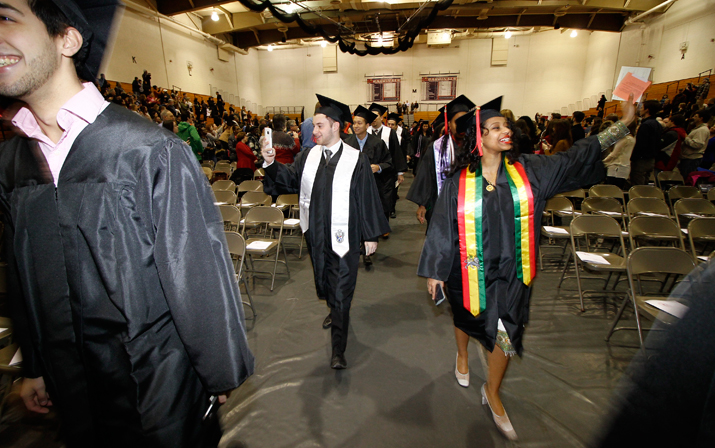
x=545, y=71
x=142, y=38
x=600, y=72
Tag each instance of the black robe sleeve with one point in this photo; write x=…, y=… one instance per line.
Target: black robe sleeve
x=398, y=156
x=284, y=179
x=578, y=167
x=424, y=188
x=196, y=271
x=373, y=222
x=384, y=157
x=442, y=242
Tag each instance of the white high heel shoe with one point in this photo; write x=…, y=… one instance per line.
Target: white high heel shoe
x=462, y=378
x=503, y=423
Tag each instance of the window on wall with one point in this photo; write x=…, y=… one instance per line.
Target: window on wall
x=439, y=88
x=383, y=89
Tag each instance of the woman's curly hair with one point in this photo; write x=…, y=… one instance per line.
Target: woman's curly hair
x=464, y=158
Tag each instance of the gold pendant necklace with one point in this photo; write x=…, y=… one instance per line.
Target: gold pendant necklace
x=490, y=186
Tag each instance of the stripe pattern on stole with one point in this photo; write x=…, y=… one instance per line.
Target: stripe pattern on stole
x=471, y=249
x=523, y=198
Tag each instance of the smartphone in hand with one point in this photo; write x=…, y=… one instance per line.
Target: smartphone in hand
x=439, y=296
x=268, y=140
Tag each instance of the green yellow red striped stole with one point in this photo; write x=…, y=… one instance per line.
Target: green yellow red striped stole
x=471, y=247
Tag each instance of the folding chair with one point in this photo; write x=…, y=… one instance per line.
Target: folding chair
x=690, y=208
x=237, y=250
x=250, y=185
x=605, y=206
x=233, y=166
x=654, y=229
x=555, y=206
x=606, y=191
x=677, y=192
x=596, y=260
x=649, y=260
x=224, y=197
x=252, y=199
x=711, y=195
x=207, y=171
x=646, y=191
x=666, y=179
x=259, y=174
x=208, y=164
x=576, y=196
x=701, y=230
x=271, y=219
x=223, y=166
x=231, y=217
x=292, y=223
x=227, y=185
x=641, y=206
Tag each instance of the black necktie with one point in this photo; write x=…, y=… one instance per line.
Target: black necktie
x=328, y=153
x=375, y=132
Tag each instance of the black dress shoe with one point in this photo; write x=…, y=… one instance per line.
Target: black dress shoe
x=368, y=262
x=327, y=322
x=338, y=362
x=393, y=215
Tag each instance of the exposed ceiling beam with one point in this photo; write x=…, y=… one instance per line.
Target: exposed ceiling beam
x=172, y=7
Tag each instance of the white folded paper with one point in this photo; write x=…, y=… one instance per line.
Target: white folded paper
x=652, y=214
x=694, y=215
x=589, y=257
x=291, y=221
x=702, y=258
x=553, y=229
x=671, y=307
x=609, y=213
x=17, y=358
x=258, y=245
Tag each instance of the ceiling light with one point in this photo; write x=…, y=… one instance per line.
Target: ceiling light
x=507, y=35
x=270, y=48
x=214, y=16
x=324, y=44
x=574, y=33
x=379, y=39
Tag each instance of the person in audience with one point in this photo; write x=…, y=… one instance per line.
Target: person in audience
x=577, y=132
x=560, y=137
x=595, y=126
x=136, y=86
x=671, y=141
x=171, y=126
x=532, y=133
x=695, y=143
x=521, y=136
x=392, y=140
x=618, y=162
x=647, y=144
x=703, y=89
x=611, y=117
x=284, y=144
x=306, y=132
x=294, y=131
x=124, y=328
x=332, y=172
x=188, y=133
x=601, y=106
x=474, y=249
x=709, y=155
x=439, y=156
x=245, y=160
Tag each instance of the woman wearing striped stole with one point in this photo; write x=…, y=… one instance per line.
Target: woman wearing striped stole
x=482, y=240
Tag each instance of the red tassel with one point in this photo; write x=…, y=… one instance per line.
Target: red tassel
x=478, y=143
x=446, y=123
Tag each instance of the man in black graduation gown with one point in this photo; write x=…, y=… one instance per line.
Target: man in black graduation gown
x=122, y=293
x=380, y=159
x=424, y=190
x=403, y=138
x=389, y=136
x=339, y=208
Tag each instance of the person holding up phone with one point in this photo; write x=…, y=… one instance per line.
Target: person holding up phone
x=473, y=244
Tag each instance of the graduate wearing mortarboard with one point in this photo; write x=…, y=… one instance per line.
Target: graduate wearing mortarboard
x=403, y=138
x=437, y=161
x=339, y=207
x=492, y=205
x=391, y=139
x=123, y=295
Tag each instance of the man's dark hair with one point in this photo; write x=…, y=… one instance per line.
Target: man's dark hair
x=704, y=115
x=678, y=120
x=279, y=122
x=578, y=116
x=184, y=116
x=652, y=106
x=56, y=23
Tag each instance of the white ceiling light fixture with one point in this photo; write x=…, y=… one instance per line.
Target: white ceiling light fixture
x=507, y=35
x=574, y=33
x=270, y=48
x=324, y=44
x=379, y=39
x=214, y=16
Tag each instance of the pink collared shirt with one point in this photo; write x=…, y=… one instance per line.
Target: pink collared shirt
x=75, y=115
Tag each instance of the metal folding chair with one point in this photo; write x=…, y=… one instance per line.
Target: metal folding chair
x=231, y=217
x=289, y=202
x=642, y=206
x=224, y=197
x=654, y=229
x=646, y=191
x=689, y=208
x=606, y=191
x=666, y=179
x=237, y=250
x=701, y=230
x=227, y=185
x=677, y=192
x=267, y=219
x=556, y=206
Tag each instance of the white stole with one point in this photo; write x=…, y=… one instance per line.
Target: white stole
x=340, y=208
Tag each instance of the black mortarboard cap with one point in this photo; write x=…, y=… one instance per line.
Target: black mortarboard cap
x=459, y=104
x=379, y=108
x=93, y=19
x=491, y=109
x=334, y=109
x=361, y=111
x=394, y=116
x=465, y=120
x=439, y=120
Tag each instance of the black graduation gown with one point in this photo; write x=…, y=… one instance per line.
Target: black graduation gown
x=423, y=190
x=507, y=297
x=123, y=294
x=335, y=277
x=378, y=154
